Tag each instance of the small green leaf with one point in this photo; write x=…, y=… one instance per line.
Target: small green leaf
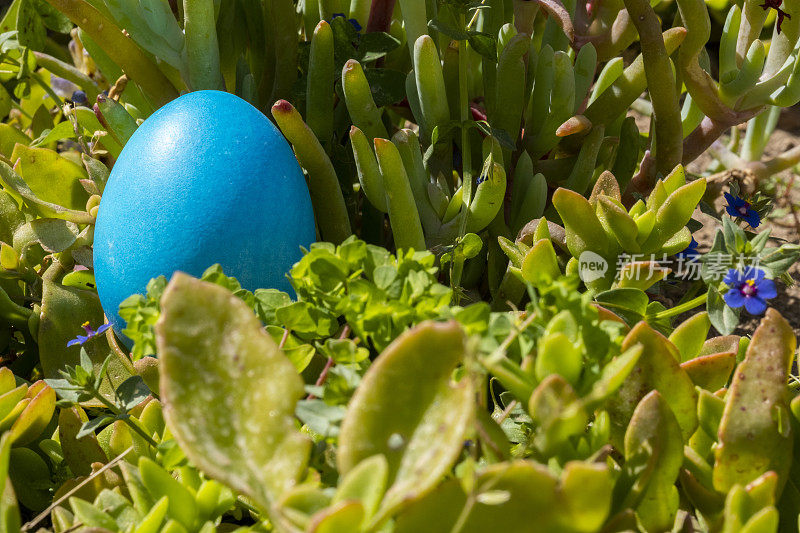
x=267, y=302
x=710, y=372
x=159, y=483
x=89, y=427
x=36, y=415
x=79, y=453
x=90, y=516
x=723, y=318
x=51, y=177
x=132, y=392
x=533, y=491
x=321, y=418
x=338, y=518
x=654, y=437
x=484, y=44
x=366, y=483
x=9, y=509
x=690, y=335
x=628, y=303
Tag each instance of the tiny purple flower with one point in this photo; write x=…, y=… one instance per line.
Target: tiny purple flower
x=90, y=334
x=740, y=208
x=749, y=289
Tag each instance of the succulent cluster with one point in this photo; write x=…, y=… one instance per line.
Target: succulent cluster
x=486, y=335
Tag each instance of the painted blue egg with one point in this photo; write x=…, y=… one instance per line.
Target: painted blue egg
x=206, y=179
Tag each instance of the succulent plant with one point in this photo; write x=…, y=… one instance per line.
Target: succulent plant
x=480, y=339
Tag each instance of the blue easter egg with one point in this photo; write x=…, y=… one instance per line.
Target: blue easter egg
x=206, y=179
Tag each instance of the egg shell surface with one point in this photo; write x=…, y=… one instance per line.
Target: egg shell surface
x=206, y=179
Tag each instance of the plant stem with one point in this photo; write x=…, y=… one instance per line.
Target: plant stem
x=667, y=145
x=380, y=16
x=725, y=156
x=329, y=364
x=133, y=425
x=466, y=149
x=678, y=309
x=782, y=162
x=68, y=72
x=466, y=155
x=474, y=18
x=697, y=142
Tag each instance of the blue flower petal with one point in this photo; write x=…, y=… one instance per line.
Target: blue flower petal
x=755, y=305
x=752, y=272
x=690, y=251
x=731, y=211
x=733, y=278
x=80, y=339
x=752, y=218
x=734, y=298
x=102, y=329
x=766, y=289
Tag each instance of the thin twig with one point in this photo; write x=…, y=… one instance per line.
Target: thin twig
x=285, y=337
x=667, y=145
x=41, y=516
x=507, y=411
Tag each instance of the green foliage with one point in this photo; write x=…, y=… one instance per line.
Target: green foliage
x=485, y=371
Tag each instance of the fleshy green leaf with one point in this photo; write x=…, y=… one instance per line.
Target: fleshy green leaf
x=653, y=442
x=229, y=392
x=657, y=369
x=755, y=434
x=63, y=311
x=409, y=410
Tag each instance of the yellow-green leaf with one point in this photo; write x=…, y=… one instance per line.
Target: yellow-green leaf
x=229, y=392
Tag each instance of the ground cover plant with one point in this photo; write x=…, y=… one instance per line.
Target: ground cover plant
x=506, y=322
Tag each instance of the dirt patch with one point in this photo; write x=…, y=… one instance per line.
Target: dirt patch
x=784, y=225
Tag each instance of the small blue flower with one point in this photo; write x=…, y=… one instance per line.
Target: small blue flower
x=354, y=22
x=740, y=208
x=79, y=98
x=749, y=289
x=690, y=252
x=90, y=334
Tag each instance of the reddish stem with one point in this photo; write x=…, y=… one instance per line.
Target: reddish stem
x=329, y=364
x=380, y=16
